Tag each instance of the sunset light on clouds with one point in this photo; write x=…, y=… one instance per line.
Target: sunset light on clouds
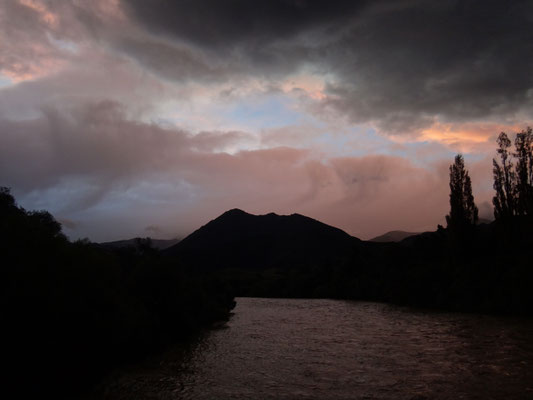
x=129, y=117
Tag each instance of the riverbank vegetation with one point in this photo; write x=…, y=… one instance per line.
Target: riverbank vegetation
x=73, y=311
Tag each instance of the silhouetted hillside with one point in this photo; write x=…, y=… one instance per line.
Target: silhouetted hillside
x=73, y=311
x=484, y=269
x=237, y=239
x=159, y=244
x=393, y=236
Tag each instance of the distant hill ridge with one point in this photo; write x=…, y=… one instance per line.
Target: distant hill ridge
x=293, y=256
x=393, y=236
x=159, y=244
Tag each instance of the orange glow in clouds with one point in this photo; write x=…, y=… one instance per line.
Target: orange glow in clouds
x=311, y=84
x=467, y=137
x=45, y=14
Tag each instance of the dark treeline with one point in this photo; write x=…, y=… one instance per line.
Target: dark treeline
x=73, y=311
x=489, y=271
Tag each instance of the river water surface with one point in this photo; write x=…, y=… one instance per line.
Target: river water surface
x=326, y=349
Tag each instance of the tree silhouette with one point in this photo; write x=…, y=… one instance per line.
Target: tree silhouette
x=100, y=307
x=524, y=171
x=7, y=200
x=463, y=211
x=514, y=183
x=504, y=180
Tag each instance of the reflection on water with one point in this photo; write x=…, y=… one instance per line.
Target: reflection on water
x=326, y=349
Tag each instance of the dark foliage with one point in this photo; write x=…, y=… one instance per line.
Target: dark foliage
x=524, y=171
x=72, y=311
x=463, y=211
x=513, y=182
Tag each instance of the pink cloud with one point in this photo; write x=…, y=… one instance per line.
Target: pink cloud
x=138, y=164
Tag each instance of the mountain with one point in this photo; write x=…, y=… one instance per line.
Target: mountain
x=159, y=244
x=393, y=236
x=484, y=268
x=237, y=239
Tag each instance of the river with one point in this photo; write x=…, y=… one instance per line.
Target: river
x=327, y=349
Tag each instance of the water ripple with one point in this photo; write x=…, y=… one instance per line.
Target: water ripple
x=326, y=349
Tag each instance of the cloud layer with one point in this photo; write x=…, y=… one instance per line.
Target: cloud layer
x=122, y=116
x=94, y=156
x=400, y=64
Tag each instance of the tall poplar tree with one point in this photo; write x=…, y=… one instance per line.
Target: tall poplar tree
x=524, y=172
x=463, y=210
x=504, y=180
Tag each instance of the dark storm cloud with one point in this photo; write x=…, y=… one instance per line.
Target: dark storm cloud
x=239, y=37
x=457, y=60
x=398, y=64
x=173, y=62
x=226, y=24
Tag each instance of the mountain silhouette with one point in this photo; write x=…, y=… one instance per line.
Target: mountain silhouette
x=159, y=244
x=296, y=256
x=393, y=236
x=237, y=239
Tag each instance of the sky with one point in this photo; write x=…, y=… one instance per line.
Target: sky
x=129, y=118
